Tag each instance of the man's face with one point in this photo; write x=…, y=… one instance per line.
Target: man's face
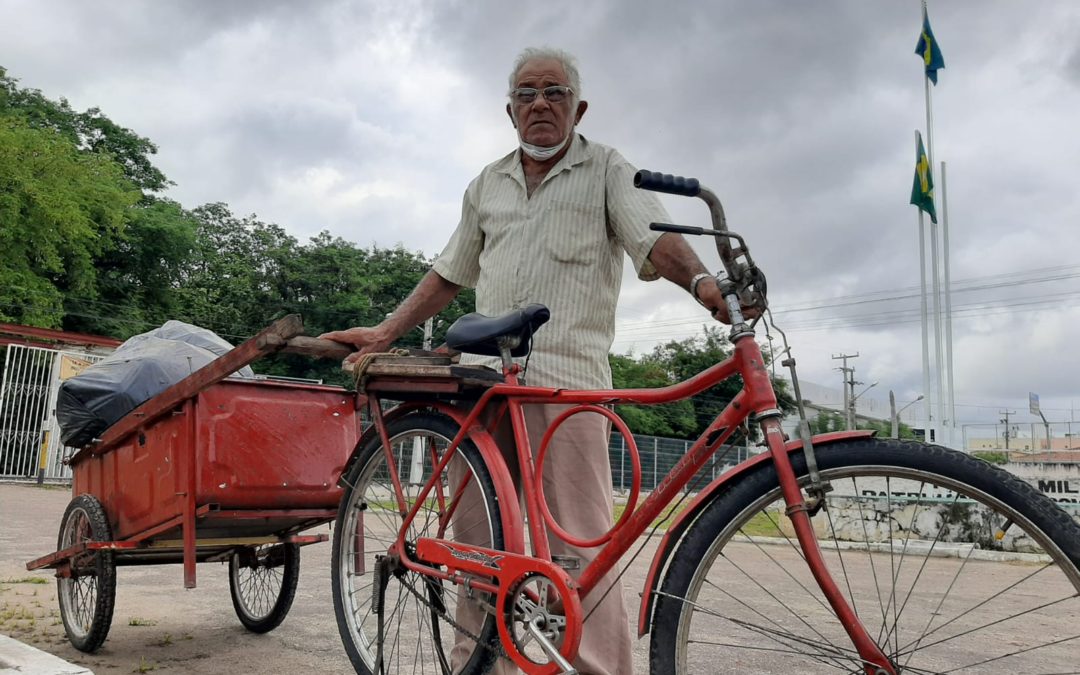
x=542, y=122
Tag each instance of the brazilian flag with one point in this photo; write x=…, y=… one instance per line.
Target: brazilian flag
x=922, y=190
x=928, y=49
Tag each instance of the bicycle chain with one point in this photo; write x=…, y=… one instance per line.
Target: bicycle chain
x=498, y=649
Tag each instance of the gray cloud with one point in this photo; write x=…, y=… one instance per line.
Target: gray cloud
x=369, y=118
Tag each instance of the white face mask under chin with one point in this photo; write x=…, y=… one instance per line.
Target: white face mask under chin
x=542, y=154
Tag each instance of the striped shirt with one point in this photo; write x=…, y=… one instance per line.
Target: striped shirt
x=562, y=247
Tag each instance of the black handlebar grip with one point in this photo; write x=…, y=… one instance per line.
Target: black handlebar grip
x=665, y=182
x=682, y=229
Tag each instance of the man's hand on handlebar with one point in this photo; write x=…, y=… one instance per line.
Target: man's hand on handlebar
x=710, y=296
x=365, y=340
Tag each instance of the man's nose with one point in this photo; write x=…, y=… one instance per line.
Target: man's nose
x=540, y=102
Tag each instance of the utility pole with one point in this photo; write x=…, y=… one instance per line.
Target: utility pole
x=1005, y=421
x=429, y=328
x=849, y=388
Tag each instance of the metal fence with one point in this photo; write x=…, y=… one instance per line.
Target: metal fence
x=30, y=447
x=659, y=455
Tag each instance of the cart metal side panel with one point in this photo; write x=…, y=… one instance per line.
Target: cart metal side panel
x=271, y=446
x=142, y=481
x=238, y=445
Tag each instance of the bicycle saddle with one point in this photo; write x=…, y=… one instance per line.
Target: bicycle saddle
x=478, y=334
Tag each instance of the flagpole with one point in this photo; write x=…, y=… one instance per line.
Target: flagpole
x=936, y=392
x=925, y=333
x=948, y=300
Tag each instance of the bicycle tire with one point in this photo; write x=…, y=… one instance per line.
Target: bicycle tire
x=420, y=640
x=1000, y=603
x=88, y=596
x=262, y=594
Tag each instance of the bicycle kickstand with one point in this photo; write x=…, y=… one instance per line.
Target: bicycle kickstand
x=381, y=577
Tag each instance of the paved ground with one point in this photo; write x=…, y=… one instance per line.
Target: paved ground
x=159, y=626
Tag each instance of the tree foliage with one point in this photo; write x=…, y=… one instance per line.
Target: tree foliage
x=60, y=208
x=676, y=361
x=89, y=131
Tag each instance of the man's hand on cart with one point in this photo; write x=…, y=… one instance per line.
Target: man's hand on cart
x=366, y=340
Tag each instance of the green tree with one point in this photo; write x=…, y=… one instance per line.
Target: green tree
x=90, y=131
x=679, y=360
x=139, y=275
x=826, y=421
x=60, y=208
x=671, y=419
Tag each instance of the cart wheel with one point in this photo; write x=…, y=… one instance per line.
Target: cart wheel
x=88, y=595
x=262, y=580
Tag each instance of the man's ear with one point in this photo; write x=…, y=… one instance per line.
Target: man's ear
x=510, y=114
x=582, y=106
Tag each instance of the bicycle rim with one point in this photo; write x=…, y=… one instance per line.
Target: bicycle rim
x=422, y=615
x=949, y=563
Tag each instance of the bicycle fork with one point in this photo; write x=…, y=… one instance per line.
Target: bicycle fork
x=875, y=662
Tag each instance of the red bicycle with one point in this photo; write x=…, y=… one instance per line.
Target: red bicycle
x=839, y=552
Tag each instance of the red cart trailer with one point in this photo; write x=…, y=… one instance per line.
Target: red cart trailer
x=209, y=470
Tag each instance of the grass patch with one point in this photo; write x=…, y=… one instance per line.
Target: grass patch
x=25, y=580
x=620, y=509
x=144, y=666
x=138, y=621
x=762, y=525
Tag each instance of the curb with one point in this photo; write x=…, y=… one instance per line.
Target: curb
x=16, y=657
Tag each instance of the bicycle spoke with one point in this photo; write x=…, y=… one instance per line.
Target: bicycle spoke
x=744, y=604
x=840, y=558
x=1019, y=651
x=769, y=593
x=989, y=599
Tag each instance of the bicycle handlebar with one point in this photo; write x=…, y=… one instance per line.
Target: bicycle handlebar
x=748, y=281
x=665, y=182
x=681, y=229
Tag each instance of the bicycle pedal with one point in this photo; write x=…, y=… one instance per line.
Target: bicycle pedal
x=567, y=562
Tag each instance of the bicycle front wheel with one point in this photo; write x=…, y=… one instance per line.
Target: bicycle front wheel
x=428, y=625
x=952, y=564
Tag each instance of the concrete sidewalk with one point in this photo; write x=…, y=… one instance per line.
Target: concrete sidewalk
x=18, y=658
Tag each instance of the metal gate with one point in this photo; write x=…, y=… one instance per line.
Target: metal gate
x=30, y=446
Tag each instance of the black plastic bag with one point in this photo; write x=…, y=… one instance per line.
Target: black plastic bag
x=142, y=367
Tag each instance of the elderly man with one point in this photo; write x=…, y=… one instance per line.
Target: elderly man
x=549, y=223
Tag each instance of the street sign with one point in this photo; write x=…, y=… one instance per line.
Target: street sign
x=1033, y=398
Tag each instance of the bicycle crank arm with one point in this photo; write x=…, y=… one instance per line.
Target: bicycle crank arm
x=511, y=574
x=551, y=650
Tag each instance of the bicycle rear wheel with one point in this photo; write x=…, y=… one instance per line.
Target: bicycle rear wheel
x=429, y=626
x=952, y=564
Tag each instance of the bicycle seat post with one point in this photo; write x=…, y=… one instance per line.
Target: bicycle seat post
x=506, y=344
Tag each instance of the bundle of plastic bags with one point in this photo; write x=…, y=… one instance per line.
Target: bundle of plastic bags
x=142, y=367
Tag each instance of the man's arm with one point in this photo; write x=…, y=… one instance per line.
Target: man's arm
x=676, y=261
x=430, y=297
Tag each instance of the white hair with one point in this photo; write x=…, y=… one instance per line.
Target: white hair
x=568, y=62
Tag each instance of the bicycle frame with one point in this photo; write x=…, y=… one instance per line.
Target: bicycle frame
x=756, y=398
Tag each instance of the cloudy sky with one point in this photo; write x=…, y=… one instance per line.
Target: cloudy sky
x=368, y=119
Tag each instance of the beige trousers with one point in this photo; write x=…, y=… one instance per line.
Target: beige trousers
x=578, y=490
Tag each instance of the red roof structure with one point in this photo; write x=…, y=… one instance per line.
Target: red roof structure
x=14, y=334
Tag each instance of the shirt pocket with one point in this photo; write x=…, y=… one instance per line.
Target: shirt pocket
x=574, y=232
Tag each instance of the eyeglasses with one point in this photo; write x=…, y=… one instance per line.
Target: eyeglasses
x=553, y=94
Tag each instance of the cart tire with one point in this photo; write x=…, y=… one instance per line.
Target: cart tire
x=263, y=594
x=86, y=597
